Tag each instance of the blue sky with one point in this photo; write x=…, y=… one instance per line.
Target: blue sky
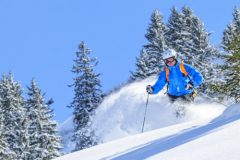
x=38, y=39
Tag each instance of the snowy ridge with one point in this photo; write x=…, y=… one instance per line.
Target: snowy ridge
x=121, y=114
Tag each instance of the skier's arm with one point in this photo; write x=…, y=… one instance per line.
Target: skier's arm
x=160, y=83
x=196, y=77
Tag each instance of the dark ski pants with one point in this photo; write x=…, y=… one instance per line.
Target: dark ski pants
x=187, y=98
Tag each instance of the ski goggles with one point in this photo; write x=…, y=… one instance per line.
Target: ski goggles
x=169, y=60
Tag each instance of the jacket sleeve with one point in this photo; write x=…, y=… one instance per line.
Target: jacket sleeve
x=195, y=76
x=160, y=82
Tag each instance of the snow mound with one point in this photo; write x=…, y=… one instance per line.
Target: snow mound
x=121, y=113
x=231, y=111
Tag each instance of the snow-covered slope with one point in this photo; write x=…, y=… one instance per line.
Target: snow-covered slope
x=121, y=114
x=194, y=140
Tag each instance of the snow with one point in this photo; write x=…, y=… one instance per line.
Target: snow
x=219, y=140
x=104, y=150
x=121, y=113
x=118, y=122
x=229, y=112
x=66, y=132
x=198, y=140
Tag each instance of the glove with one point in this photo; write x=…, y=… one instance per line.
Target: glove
x=194, y=94
x=149, y=89
x=189, y=86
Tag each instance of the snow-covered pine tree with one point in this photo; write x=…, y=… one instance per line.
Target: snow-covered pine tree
x=44, y=143
x=230, y=33
x=4, y=150
x=88, y=96
x=202, y=52
x=188, y=36
x=23, y=138
x=175, y=31
x=232, y=30
x=230, y=85
x=143, y=64
x=150, y=62
x=186, y=42
x=156, y=37
x=14, y=117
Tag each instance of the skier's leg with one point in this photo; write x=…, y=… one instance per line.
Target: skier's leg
x=172, y=98
x=178, y=104
x=188, y=98
x=181, y=104
x=180, y=109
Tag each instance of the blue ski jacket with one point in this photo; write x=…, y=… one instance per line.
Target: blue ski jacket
x=178, y=81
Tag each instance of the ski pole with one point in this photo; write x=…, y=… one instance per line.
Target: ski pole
x=145, y=113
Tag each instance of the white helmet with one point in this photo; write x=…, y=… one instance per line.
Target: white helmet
x=169, y=53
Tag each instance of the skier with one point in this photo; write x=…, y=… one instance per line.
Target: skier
x=181, y=79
